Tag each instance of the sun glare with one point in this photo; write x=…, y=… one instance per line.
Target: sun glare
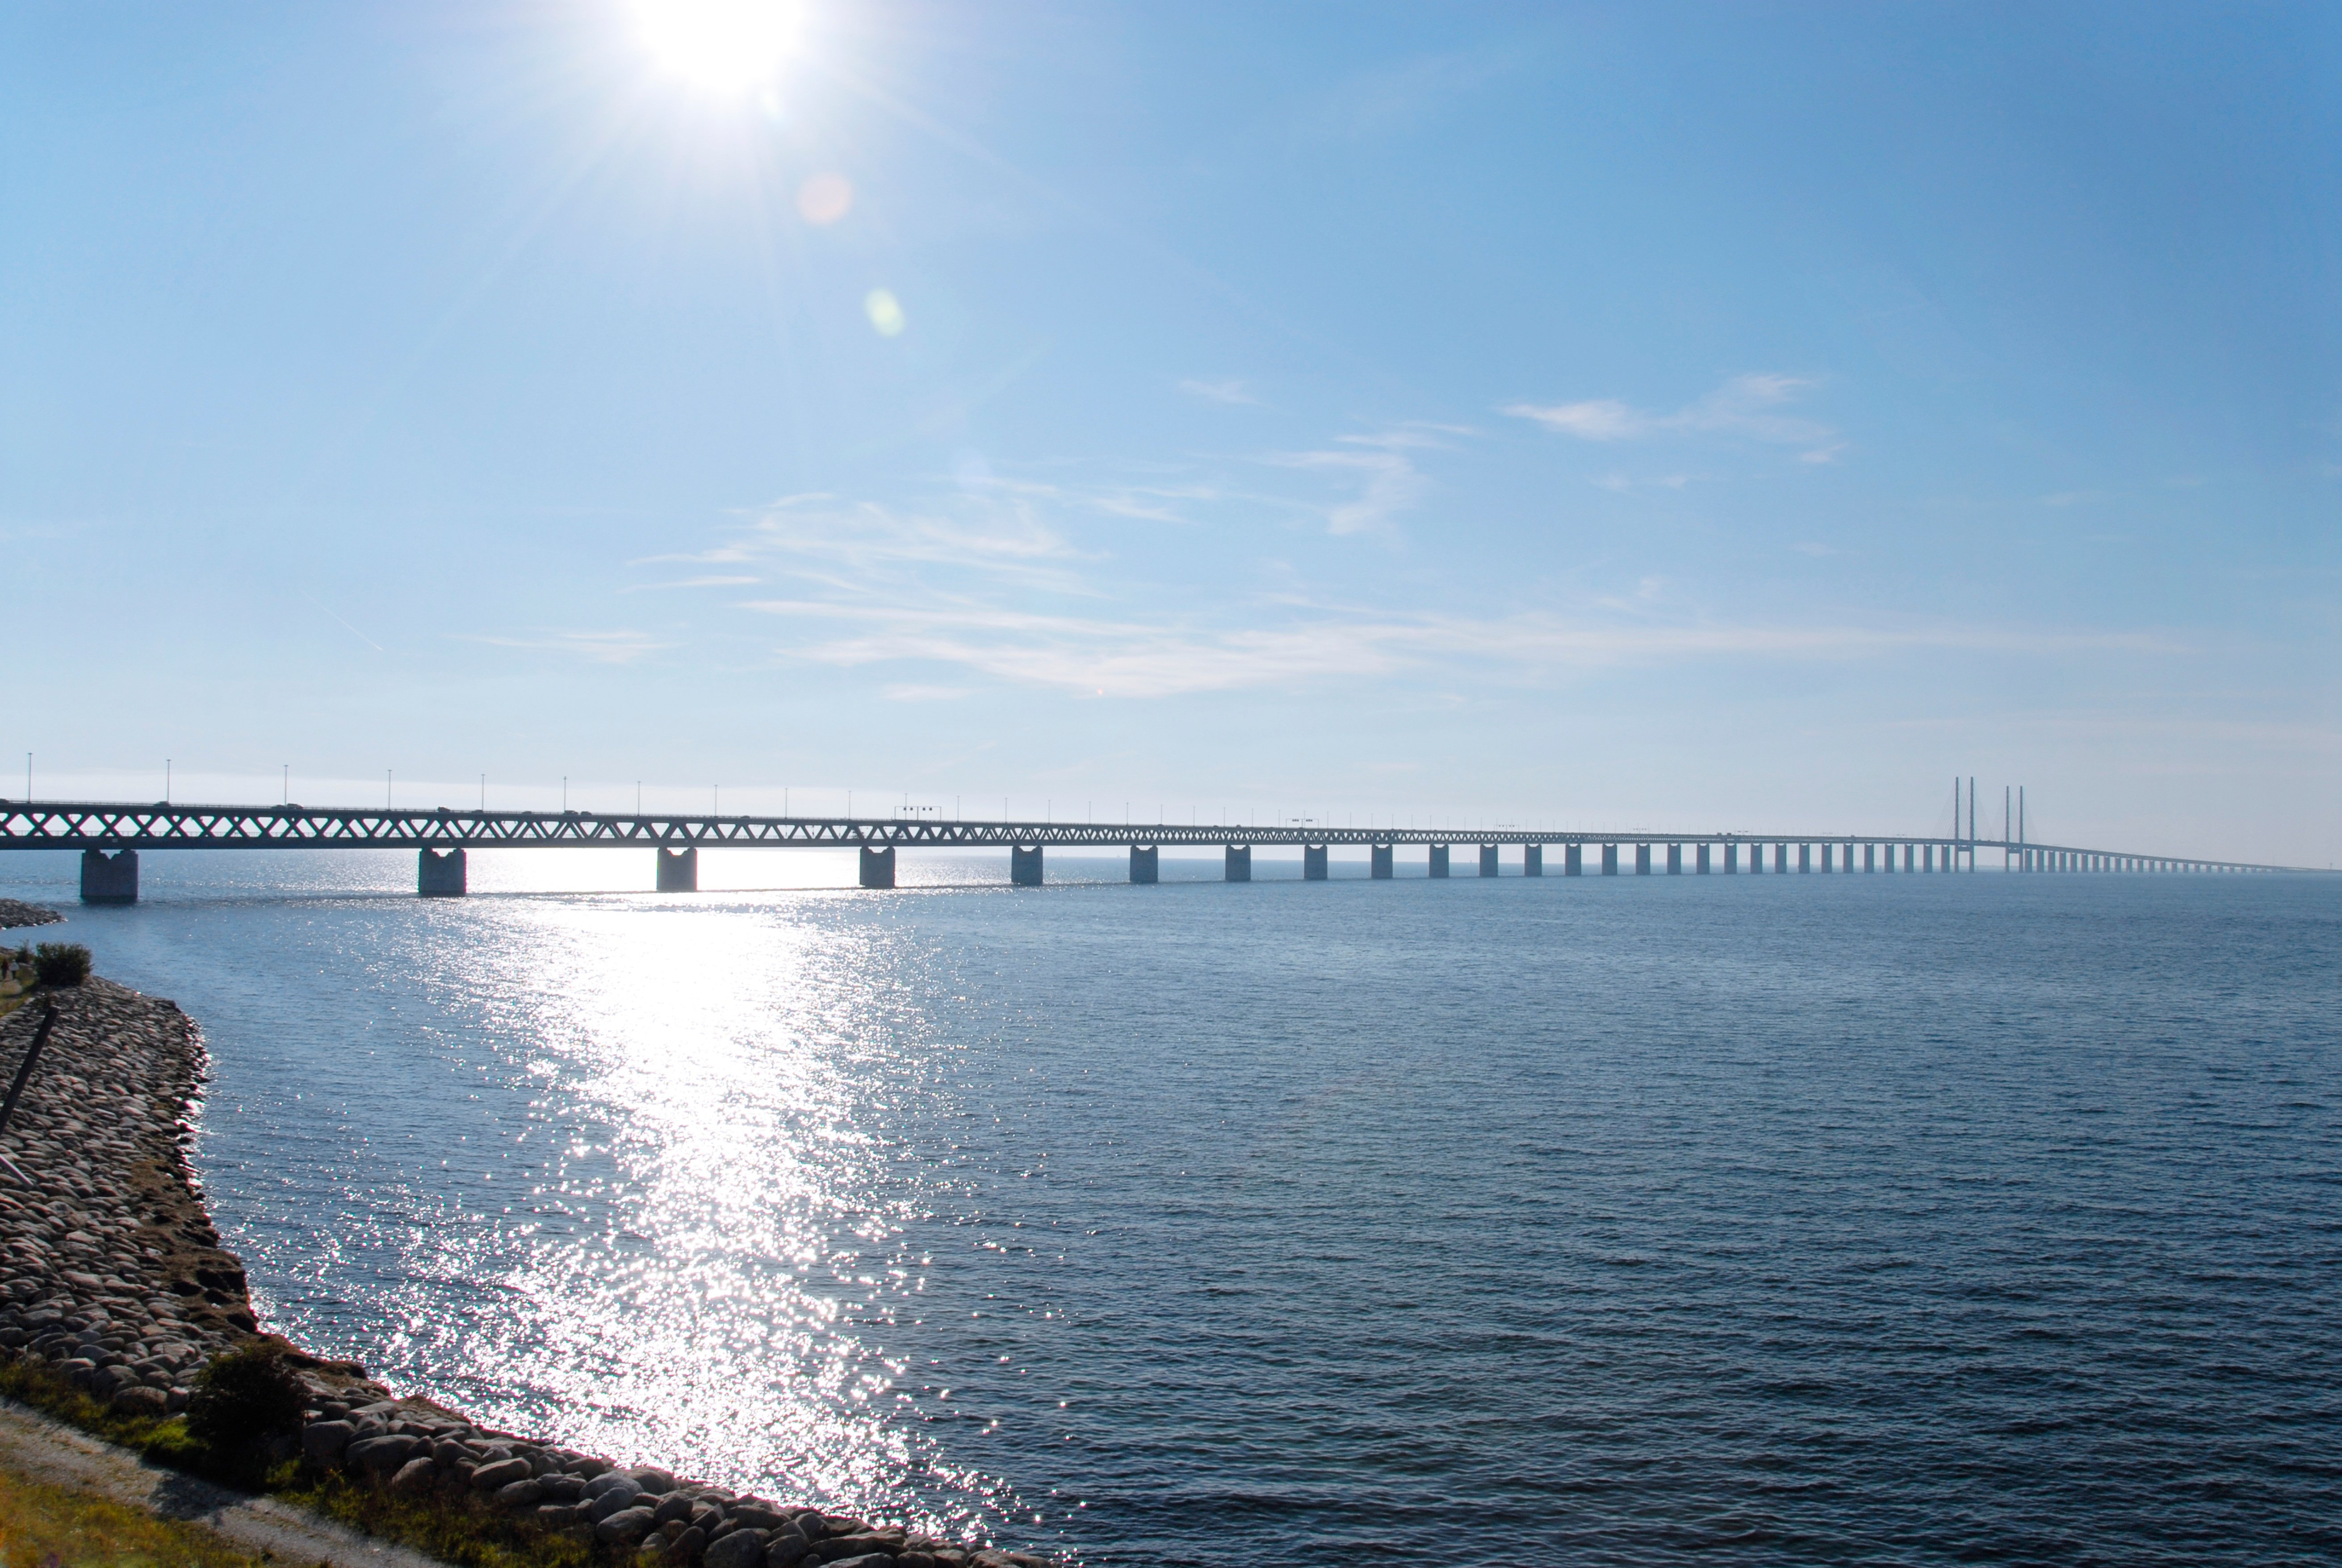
x=724, y=45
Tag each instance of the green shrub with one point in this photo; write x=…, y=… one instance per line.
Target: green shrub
x=61, y=963
x=243, y=1396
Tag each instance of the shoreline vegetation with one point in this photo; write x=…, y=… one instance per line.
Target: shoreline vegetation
x=121, y=1314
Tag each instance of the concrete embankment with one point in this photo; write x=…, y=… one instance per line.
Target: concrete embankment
x=111, y=1274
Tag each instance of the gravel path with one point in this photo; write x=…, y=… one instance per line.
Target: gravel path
x=48, y=1451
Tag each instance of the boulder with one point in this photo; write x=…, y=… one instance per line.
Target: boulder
x=525, y=1493
x=324, y=1441
x=786, y=1548
x=139, y=1399
x=757, y=1514
x=502, y=1474
x=417, y=1474
x=381, y=1455
x=867, y=1560
x=742, y=1548
x=611, y=1481
x=625, y=1527
x=601, y=1505
x=674, y=1505
x=687, y=1547
x=652, y=1480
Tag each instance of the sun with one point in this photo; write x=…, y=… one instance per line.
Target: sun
x=723, y=46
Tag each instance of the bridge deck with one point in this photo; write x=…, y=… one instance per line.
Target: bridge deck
x=109, y=826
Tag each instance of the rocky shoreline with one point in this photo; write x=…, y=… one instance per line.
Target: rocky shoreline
x=110, y=1273
x=15, y=911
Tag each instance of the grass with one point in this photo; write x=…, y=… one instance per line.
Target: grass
x=455, y=1524
x=41, y=1525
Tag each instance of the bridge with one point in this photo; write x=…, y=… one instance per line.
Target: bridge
x=110, y=836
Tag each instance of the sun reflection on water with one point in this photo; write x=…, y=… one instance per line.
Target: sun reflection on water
x=707, y=1236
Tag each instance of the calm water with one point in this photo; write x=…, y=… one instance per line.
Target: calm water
x=1795, y=1219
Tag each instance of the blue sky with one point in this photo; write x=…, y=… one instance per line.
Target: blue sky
x=1740, y=416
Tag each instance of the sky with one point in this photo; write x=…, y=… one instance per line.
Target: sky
x=1735, y=416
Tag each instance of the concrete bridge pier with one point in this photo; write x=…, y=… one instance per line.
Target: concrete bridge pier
x=678, y=870
x=1700, y=856
x=1609, y=860
x=1023, y=865
x=1438, y=860
x=113, y=878
x=1825, y=857
x=1313, y=863
x=439, y=873
x=1379, y=858
x=1532, y=859
x=1239, y=863
x=878, y=866
x=1642, y=860
x=1806, y=859
x=1731, y=853
x=1573, y=861
x=1781, y=860
x=1487, y=860
x=1675, y=860
x=1146, y=862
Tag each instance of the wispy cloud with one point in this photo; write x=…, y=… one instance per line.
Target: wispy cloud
x=595, y=647
x=1753, y=407
x=1604, y=419
x=1228, y=391
x=997, y=584
x=689, y=582
x=864, y=546
x=1389, y=482
x=1134, y=657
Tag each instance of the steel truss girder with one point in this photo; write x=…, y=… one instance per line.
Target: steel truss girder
x=98, y=825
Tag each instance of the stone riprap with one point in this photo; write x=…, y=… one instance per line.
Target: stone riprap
x=15, y=911
x=109, y=1265
x=110, y=1273
x=414, y=1447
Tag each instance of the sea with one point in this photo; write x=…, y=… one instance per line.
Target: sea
x=1602, y=1220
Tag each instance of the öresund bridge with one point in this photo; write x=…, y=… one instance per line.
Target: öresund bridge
x=110, y=836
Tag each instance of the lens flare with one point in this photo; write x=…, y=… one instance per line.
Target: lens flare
x=720, y=45
x=884, y=311
x=825, y=198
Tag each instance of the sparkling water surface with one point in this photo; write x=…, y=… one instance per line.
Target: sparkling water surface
x=1775, y=1219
